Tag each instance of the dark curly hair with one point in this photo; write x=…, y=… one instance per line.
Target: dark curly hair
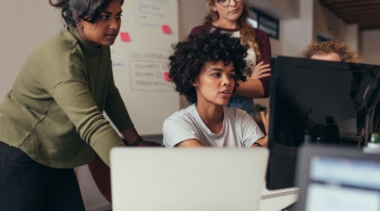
x=346, y=54
x=199, y=48
x=75, y=10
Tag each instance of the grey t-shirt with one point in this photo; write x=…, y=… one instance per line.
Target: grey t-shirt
x=239, y=129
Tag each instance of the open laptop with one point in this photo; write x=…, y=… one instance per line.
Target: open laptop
x=336, y=178
x=187, y=179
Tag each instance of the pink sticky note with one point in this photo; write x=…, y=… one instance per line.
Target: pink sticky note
x=166, y=76
x=166, y=29
x=124, y=36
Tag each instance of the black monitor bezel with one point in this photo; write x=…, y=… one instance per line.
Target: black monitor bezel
x=280, y=63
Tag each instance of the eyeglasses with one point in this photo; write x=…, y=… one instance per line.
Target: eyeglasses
x=226, y=3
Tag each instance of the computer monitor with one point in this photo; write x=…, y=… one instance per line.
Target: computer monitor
x=337, y=178
x=317, y=101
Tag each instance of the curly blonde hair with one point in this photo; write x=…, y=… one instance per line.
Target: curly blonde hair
x=247, y=32
x=346, y=54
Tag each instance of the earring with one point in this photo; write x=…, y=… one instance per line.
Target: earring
x=79, y=26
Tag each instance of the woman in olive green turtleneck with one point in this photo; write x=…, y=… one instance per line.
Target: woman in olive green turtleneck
x=52, y=119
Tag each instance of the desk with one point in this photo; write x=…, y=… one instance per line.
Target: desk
x=277, y=203
x=352, y=137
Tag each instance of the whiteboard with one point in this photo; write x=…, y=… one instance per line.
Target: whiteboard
x=140, y=62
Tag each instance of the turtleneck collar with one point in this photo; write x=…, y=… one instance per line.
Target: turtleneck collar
x=87, y=49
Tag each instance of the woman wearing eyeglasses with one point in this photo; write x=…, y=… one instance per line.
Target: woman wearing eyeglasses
x=231, y=16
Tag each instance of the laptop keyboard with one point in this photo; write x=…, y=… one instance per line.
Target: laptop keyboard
x=265, y=193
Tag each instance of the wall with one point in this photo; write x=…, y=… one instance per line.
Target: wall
x=191, y=14
x=327, y=24
x=297, y=33
x=352, y=38
x=22, y=30
x=370, y=46
x=283, y=9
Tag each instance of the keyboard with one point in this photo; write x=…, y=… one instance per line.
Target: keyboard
x=265, y=193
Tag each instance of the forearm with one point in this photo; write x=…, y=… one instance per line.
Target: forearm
x=262, y=141
x=131, y=135
x=190, y=143
x=252, y=88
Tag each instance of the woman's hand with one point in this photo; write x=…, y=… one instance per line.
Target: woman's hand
x=260, y=70
x=265, y=120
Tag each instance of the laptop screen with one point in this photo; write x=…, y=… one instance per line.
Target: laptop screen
x=343, y=184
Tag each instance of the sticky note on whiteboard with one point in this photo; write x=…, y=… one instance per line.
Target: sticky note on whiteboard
x=166, y=29
x=166, y=76
x=124, y=36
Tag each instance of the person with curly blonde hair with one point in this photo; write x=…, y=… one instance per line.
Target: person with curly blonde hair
x=331, y=51
x=232, y=16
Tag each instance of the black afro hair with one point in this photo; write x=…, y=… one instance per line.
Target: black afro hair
x=199, y=48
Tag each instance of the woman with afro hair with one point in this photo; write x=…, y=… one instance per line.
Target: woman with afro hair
x=207, y=68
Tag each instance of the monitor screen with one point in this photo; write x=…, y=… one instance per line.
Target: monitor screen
x=343, y=184
x=318, y=102
x=338, y=178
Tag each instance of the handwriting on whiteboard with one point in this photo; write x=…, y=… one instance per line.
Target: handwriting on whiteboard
x=148, y=71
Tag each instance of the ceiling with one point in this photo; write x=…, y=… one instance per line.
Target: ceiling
x=365, y=13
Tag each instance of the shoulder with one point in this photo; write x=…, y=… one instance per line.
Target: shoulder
x=60, y=56
x=60, y=48
x=206, y=26
x=184, y=116
x=64, y=40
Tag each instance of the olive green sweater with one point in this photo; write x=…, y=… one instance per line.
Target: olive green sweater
x=54, y=112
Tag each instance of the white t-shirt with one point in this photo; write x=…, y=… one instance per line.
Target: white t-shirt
x=239, y=129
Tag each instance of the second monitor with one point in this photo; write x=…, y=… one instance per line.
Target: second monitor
x=317, y=101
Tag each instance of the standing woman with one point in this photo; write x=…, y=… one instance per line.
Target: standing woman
x=52, y=119
x=231, y=16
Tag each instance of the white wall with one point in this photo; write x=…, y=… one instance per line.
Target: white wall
x=370, y=46
x=191, y=14
x=281, y=9
x=352, y=38
x=297, y=33
x=22, y=30
x=328, y=24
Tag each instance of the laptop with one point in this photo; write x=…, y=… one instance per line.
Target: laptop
x=187, y=179
x=336, y=178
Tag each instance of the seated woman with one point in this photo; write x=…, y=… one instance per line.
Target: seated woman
x=206, y=68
